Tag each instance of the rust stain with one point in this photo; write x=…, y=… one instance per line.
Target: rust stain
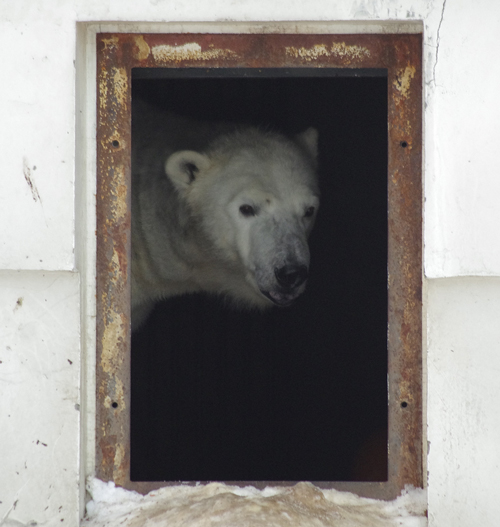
x=108, y=452
x=337, y=49
x=29, y=180
x=403, y=81
x=189, y=51
x=143, y=49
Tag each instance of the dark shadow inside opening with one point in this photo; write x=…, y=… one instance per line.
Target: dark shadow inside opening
x=290, y=394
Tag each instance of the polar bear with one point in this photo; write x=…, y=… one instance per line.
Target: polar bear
x=219, y=208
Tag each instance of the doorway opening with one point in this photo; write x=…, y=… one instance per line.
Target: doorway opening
x=287, y=394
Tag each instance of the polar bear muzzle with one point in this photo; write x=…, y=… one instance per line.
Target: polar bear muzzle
x=291, y=276
x=290, y=279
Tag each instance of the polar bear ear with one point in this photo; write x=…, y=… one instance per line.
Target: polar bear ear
x=183, y=167
x=309, y=141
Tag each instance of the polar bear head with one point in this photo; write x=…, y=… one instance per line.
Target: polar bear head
x=255, y=197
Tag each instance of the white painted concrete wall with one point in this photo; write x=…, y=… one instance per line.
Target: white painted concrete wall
x=46, y=210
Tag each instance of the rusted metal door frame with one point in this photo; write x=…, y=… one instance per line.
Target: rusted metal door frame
x=401, y=55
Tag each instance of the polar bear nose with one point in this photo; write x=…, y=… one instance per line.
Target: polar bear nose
x=291, y=276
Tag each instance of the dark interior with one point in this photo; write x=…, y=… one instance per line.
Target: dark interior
x=291, y=394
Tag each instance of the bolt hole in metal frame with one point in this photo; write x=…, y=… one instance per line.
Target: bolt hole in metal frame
x=400, y=56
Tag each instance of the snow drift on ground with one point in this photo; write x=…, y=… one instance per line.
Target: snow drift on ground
x=220, y=505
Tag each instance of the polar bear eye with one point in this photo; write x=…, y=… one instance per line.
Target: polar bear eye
x=309, y=212
x=247, y=210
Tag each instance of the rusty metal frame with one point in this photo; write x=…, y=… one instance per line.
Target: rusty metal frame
x=401, y=55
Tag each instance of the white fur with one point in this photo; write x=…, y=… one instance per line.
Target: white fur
x=194, y=187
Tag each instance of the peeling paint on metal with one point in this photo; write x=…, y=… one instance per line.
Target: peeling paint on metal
x=113, y=332
x=111, y=42
x=143, y=49
x=118, y=190
x=103, y=89
x=120, y=84
x=119, y=462
x=337, y=49
x=190, y=51
x=403, y=81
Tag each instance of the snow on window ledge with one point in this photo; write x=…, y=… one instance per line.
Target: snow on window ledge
x=220, y=505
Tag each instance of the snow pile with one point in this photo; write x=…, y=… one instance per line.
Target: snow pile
x=220, y=505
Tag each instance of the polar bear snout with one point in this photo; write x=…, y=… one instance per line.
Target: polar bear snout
x=290, y=277
x=281, y=271
x=288, y=284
